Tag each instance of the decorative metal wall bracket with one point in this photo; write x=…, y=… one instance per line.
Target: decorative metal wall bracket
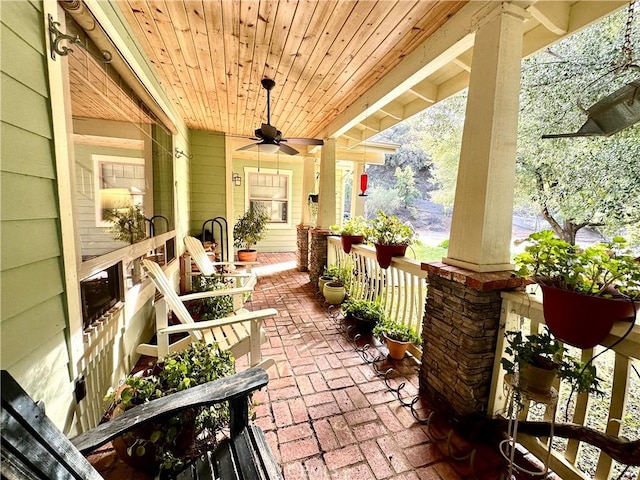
x=179, y=154
x=56, y=36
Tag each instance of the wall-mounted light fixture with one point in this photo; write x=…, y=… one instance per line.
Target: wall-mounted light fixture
x=237, y=179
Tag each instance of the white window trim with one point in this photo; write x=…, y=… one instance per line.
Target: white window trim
x=289, y=175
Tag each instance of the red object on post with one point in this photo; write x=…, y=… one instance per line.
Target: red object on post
x=364, y=178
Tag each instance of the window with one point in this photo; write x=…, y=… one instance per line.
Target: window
x=271, y=191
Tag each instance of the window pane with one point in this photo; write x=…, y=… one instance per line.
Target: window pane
x=270, y=191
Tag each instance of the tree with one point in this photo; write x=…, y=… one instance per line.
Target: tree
x=577, y=182
x=406, y=185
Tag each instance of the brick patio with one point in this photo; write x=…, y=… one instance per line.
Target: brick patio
x=326, y=413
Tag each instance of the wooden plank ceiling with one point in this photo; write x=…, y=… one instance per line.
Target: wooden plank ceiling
x=323, y=55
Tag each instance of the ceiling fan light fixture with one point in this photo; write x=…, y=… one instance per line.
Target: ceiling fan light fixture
x=268, y=147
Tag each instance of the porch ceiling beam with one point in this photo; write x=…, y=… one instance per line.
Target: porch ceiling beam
x=394, y=110
x=452, y=39
x=425, y=90
x=553, y=15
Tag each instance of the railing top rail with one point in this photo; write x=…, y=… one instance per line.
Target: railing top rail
x=530, y=305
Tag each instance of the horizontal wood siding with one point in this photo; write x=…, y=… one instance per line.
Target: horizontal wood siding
x=207, y=178
x=277, y=239
x=33, y=317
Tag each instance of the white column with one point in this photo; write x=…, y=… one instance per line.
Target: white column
x=308, y=185
x=483, y=207
x=327, y=186
x=357, y=202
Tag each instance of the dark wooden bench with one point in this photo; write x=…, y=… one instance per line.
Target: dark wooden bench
x=33, y=448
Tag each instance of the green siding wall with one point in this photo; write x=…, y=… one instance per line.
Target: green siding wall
x=33, y=315
x=207, y=174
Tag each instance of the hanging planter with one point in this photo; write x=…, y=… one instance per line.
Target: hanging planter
x=583, y=321
x=351, y=233
x=585, y=290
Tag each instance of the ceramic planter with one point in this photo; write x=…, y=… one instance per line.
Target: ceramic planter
x=535, y=379
x=322, y=281
x=247, y=255
x=384, y=253
x=397, y=349
x=581, y=320
x=349, y=240
x=334, y=295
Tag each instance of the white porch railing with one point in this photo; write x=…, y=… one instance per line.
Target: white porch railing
x=401, y=289
x=571, y=459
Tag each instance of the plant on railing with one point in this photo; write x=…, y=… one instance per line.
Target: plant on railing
x=538, y=358
x=390, y=236
x=164, y=446
x=585, y=290
x=352, y=232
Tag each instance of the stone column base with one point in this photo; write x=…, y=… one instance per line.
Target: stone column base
x=460, y=328
x=318, y=253
x=303, y=248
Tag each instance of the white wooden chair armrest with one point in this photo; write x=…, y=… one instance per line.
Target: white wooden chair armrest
x=207, y=324
x=215, y=293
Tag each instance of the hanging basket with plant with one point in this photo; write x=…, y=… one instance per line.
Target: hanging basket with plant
x=585, y=291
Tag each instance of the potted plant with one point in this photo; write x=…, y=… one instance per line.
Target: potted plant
x=585, y=290
x=390, y=236
x=335, y=290
x=166, y=446
x=351, y=233
x=249, y=230
x=366, y=313
x=538, y=359
x=397, y=336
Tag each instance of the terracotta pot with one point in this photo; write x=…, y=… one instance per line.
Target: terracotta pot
x=397, y=349
x=349, y=240
x=581, y=320
x=384, y=253
x=535, y=379
x=247, y=255
x=334, y=295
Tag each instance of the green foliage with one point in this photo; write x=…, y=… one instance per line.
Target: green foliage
x=211, y=308
x=341, y=273
x=603, y=269
x=427, y=253
x=396, y=331
x=250, y=228
x=389, y=230
x=364, y=309
x=128, y=225
x=406, y=185
x=544, y=351
x=382, y=198
x=353, y=226
x=196, y=365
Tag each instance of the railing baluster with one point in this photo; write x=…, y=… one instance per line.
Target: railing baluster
x=579, y=415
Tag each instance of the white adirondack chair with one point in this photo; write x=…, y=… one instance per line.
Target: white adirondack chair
x=242, y=333
x=208, y=267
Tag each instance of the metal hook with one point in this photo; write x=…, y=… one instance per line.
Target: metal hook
x=180, y=154
x=56, y=36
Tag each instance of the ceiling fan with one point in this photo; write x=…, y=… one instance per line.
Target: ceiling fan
x=269, y=138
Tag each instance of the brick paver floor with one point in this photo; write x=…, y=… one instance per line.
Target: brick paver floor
x=325, y=412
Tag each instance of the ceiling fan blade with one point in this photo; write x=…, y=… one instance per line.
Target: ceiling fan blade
x=288, y=150
x=303, y=141
x=247, y=147
x=269, y=131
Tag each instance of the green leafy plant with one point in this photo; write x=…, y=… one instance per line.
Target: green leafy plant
x=341, y=274
x=127, y=225
x=353, y=226
x=364, y=309
x=250, y=228
x=389, y=230
x=544, y=351
x=196, y=365
x=211, y=308
x=604, y=269
x=396, y=331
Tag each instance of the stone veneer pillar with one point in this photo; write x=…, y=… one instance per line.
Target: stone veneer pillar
x=303, y=248
x=318, y=253
x=459, y=333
